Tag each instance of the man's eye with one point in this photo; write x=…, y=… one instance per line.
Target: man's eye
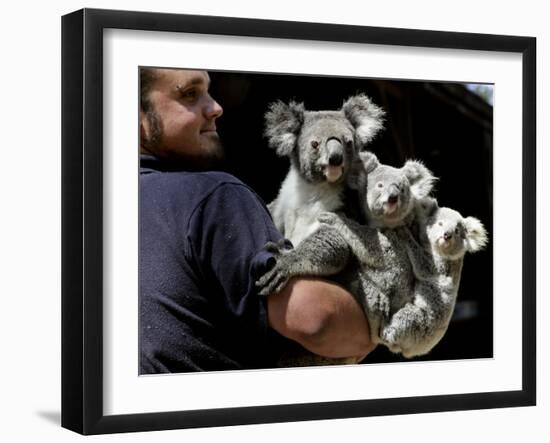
x=190, y=94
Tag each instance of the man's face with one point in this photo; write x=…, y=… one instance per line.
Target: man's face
x=181, y=121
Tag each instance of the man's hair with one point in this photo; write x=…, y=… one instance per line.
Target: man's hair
x=146, y=78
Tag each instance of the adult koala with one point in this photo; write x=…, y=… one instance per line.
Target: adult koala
x=321, y=146
x=369, y=260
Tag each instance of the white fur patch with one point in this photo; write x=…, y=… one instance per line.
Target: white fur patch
x=368, y=127
x=299, y=204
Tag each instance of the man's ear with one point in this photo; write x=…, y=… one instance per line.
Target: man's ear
x=476, y=234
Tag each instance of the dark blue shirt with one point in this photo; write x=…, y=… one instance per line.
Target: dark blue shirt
x=200, y=251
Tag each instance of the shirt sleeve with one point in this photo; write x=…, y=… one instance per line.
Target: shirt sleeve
x=225, y=238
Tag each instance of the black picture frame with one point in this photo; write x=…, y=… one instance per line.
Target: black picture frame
x=82, y=220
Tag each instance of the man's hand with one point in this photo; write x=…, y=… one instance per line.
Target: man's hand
x=321, y=316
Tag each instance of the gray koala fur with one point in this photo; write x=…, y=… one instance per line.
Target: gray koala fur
x=445, y=237
x=369, y=260
x=322, y=147
x=388, y=195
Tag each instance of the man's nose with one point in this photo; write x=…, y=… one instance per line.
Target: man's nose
x=213, y=109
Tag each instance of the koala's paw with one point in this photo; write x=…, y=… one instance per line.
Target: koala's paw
x=328, y=218
x=279, y=247
x=273, y=281
x=391, y=337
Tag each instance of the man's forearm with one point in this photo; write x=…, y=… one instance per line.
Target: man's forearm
x=321, y=316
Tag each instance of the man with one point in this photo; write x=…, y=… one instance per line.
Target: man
x=201, y=239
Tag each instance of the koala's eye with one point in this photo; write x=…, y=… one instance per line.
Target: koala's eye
x=314, y=144
x=379, y=185
x=349, y=143
x=457, y=230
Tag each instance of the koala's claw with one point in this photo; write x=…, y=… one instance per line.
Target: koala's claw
x=278, y=247
x=272, y=247
x=272, y=282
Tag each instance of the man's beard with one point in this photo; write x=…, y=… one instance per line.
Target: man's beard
x=211, y=157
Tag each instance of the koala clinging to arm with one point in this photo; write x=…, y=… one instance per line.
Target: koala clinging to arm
x=369, y=261
x=445, y=237
x=321, y=146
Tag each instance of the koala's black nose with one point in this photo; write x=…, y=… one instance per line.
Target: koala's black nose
x=392, y=199
x=335, y=159
x=448, y=235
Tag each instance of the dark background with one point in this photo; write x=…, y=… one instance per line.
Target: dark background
x=443, y=124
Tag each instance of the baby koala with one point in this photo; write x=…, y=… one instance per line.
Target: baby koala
x=369, y=261
x=437, y=259
x=388, y=195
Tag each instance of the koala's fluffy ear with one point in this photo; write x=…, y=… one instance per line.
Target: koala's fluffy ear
x=361, y=166
x=476, y=234
x=369, y=160
x=282, y=126
x=365, y=116
x=420, y=178
x=427, y=207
